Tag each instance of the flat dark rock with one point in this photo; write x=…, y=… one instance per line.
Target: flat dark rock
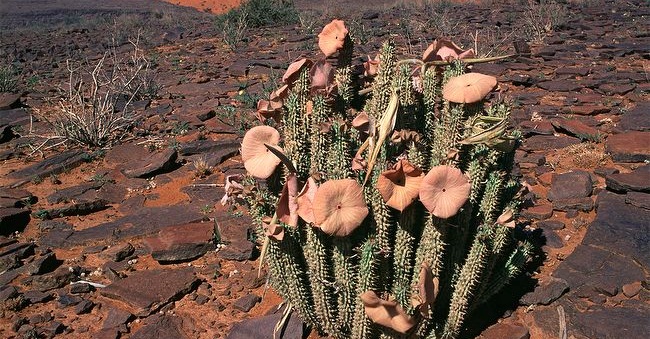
x=182, y=243
x=538, y=212
x=618, y=240
x=116, y=318
x=629, y=147
x=59, y=278
x=14, y=117
x=155, y=163
x=13, y=219
x=247, y=302
x=546, y=292
x=147, y=291
x=14, y=197
x=234, y=234
x=638, y=199
x=587, y=109
x=9, y=100
x=119, y=252
x=73, y=193
x=636, y=119
x=552, y=240
x=548, y=142
x=263, y=328
x=160, y=327
x=44, y=264
x=80, y=208
x=637, y=180
x=570, y=185
x=146, y=221
x=560, y=85
x=627, y=320
x=578, y=204
x=577, y=129
x=209, y=146
x=53, y=165
x=505, y=330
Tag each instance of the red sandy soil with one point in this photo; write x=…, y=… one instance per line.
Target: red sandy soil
x=222, y=6
x=213, y=6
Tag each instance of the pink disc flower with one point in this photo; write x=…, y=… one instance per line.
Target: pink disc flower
x=332, y=37
x=444, y=191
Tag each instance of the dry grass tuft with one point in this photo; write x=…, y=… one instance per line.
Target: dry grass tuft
x=586, y=155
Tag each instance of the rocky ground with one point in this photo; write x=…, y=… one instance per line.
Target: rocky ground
x=119, y=242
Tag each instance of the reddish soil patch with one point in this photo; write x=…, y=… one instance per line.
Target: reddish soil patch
x=212, y=6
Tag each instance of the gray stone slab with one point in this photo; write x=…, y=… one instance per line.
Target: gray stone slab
x=144, y=222
x=146, y=291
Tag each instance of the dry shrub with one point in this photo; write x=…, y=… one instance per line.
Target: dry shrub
x=586, y=155
x=542, y=17
x=95, y=109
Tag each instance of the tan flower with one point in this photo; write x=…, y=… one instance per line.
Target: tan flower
x=331, y=39
x=322, y=76
x=386, y=313
x=445, y=50
x=293, y=71
x=258, y=160
x=339, y=207
x=428, y=288
x=468, y=88
x=507, y=219
x=444, y=191
x=371, y=67
x=272, y=229
x=400, y=186
x=306, y=199
x=269, y=109
x=287, y=208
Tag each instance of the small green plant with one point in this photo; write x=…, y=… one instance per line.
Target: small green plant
x=206, y=209
x=42, y=214
x=229, y=115
x=201, y=167
x=32, y=81
x=254, y=14
x=542, y=17
x=174, y=144
x=235, y=31
x=37, y=179
x=180, y=128
x=8, y=78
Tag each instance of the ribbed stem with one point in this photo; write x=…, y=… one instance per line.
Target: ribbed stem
x=317, y=256
x=406, y=236
x=368, y=279
x=286, y=262
x=320, y=139
x=466, y=283
x=345, y=282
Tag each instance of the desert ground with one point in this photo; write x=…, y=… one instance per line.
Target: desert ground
x=117, y=239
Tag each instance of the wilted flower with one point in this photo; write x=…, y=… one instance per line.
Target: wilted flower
x=332, y=37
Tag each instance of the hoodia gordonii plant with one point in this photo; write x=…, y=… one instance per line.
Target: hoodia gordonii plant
x=385, y=198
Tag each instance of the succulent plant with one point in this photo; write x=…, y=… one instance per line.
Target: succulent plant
x=385, y=199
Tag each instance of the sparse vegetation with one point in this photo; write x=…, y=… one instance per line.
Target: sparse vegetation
x=586, y=155
x=542, y=17
x=254, y=14
x=8, y=78
x=95, y=109
x=201, y=167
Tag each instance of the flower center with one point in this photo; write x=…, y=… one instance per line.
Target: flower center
x=338, y=207
x=444, y=190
